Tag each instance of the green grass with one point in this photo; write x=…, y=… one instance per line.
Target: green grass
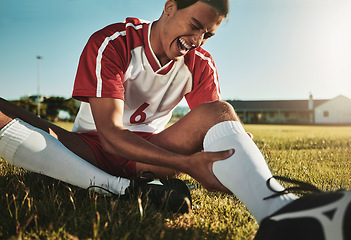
x=38, y=207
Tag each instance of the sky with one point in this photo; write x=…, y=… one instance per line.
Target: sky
x=265, y=50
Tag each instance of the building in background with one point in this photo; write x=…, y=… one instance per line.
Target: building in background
x=336, y=111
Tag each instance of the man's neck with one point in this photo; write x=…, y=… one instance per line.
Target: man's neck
x=156, y=45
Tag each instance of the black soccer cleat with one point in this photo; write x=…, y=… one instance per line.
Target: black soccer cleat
x=171, y=194
x=316, y=216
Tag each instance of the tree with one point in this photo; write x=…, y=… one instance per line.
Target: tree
x=54, y=105
x=29, y=105
x=50, y=107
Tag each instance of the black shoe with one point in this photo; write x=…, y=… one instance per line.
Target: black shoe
x=316, y=216
x=171, y=194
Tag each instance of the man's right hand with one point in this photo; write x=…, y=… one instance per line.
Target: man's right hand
x=200, y=168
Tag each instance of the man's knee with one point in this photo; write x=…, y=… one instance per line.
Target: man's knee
x=4, y=119
x=220, y=111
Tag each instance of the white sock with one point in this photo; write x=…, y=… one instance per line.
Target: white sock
x=245, y=173
x=35, y=150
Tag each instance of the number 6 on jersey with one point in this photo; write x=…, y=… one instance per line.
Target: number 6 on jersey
x=139, y=116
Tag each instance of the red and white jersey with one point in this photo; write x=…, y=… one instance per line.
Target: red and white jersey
x=118, y=62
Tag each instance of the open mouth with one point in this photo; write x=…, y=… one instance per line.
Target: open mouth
x=183, y=46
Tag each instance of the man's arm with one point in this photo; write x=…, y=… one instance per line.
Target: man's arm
x=115, y=139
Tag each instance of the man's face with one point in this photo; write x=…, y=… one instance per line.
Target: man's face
x=187, y=28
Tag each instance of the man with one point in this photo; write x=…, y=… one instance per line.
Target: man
x=130, y=77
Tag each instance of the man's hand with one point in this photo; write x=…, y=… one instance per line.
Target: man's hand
x=201, y=169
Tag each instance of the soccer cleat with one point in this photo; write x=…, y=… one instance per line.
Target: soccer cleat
x=316, y=216
x=171, y=194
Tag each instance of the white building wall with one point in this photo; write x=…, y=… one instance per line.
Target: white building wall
x=335, y=111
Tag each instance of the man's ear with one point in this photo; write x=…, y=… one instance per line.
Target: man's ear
x=170, y=7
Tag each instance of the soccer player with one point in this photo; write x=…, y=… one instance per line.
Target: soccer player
x=130, y=77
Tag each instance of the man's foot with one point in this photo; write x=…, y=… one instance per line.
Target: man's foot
x=320, y=215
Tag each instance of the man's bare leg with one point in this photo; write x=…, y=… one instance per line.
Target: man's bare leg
x=34, y=149
x=9, y=111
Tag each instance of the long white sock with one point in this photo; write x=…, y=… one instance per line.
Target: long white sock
x=35, y=150
x=245, y=173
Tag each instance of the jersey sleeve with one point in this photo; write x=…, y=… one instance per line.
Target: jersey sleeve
x=101, y=66
x=205, y=80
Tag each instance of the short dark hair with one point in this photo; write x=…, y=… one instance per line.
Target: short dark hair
x=222, y=6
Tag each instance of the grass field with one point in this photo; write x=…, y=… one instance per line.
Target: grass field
x=38, y=207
